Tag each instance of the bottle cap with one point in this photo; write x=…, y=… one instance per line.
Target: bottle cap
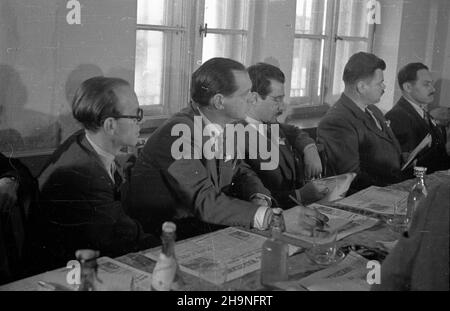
x=277, y=211
x=169, y=227
x=420, y=169
x=86, y=255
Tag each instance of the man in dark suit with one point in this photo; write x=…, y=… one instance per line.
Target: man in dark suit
x=298, y=158
x=18, y=195
x=183, y=175
x=355, y=133
x=411, y=123
x=80, y=203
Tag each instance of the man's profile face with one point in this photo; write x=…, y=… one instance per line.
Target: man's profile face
x=374, y=88
x=236, y=104
x=127, y=130
x=422, y=90
x=273, y=105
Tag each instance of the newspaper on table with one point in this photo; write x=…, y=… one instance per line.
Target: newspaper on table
x=337, y=186
x=113, y=276
x=346, y=223
x=117, y=276
x=348, y=275
x=239, y=250
x=381, y=201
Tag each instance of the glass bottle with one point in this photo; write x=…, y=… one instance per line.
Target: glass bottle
x=417, y=194
x=165, y=273
x=275, y=252
x=88, y=264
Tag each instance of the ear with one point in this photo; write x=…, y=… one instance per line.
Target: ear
x=217, y=102
x=253, y=98
x=109, y=125
x=407, y=87
x=360, y=86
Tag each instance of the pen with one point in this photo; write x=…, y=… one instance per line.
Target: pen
x=46, y=286
x=321, y=222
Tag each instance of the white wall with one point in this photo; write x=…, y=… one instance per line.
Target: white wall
x=386, y=46
x=274, y=34
x=413, y=31
x=43, y=59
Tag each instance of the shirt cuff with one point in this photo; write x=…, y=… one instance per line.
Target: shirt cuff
x=262, y=196
x=260, y=221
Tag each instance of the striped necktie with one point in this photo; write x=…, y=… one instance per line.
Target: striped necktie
x=115, y=174
x=373, y=118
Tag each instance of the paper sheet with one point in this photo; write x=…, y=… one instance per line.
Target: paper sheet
x=348, y=275
x=346, y=223
x=239, y=250
x=422, y=145
x=114, y=276
x=377, y=200
x=337, y=186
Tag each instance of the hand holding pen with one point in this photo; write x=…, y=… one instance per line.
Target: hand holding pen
x=317, y=219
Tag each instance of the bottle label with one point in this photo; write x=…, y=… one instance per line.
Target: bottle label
x=164, y=273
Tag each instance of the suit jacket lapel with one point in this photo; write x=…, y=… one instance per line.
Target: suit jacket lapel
x=286, y=153
x=404, y=104
x=94, y=156
x=213, y=165
x=370, y=124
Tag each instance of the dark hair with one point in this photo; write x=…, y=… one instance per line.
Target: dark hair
x=213, y=77
x=261, y=74
x=361, y=66
x=94, y=100
x=409, y=73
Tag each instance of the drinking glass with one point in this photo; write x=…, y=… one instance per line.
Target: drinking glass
x=397, y=221
x=215, y=272
x=324, y=249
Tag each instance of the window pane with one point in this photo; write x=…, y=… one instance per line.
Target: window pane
x=226, y=14
x=149, y=63
x=218, y=45
x=306, y=69
x=160, y=12
x=310, y=17
x=353, y=18
x=344, y=49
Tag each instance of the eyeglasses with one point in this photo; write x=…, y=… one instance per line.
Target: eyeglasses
x=277, y=99
x=139, y=116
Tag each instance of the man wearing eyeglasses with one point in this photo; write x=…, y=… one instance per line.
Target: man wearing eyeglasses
x=82, y=182
x=298, y=158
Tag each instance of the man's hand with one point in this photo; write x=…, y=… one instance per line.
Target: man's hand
x=8, y=193
x=302, y=220
x=313, y=164
x=311, y=193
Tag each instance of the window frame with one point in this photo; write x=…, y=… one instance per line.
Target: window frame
x=193, y=17
x=329, y=54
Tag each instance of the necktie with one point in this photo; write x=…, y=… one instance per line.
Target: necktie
x=373, y=118
x=115, y=174
x=427, y=118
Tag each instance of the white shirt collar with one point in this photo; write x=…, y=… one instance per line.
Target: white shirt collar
x=212, y=129
x=419, y=109
x=256, y=124
x=106, y=157
x=250, y=120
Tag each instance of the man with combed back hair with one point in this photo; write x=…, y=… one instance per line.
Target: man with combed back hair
x=355, y=133
x=81, y=185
